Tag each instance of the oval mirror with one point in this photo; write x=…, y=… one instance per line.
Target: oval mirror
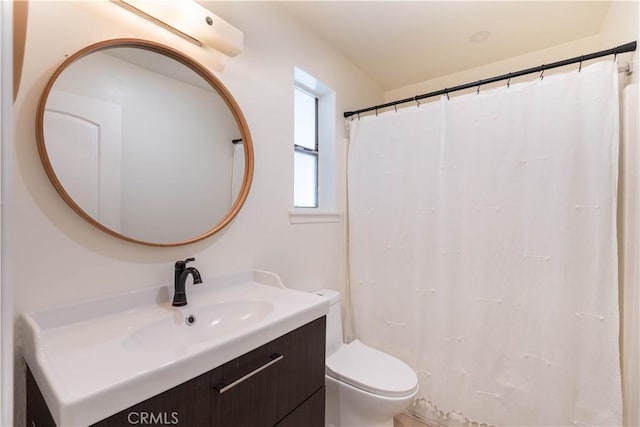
x=144, y=143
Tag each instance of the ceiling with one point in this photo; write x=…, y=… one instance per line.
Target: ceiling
x=398, y=43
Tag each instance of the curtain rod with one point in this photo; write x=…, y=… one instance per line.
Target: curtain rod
x=628, y=47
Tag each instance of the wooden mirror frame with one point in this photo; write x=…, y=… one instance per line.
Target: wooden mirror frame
x=199, y=69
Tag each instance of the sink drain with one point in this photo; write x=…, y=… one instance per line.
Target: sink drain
x=190, y=319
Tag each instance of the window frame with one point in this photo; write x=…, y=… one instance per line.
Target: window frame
x=327, y=159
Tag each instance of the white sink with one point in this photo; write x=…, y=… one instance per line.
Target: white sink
x=198, y=324
x=94, y=359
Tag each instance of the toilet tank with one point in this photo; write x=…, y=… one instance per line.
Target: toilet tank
x=334, y=320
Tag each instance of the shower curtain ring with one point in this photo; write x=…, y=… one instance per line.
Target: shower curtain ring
x=446, y=92
x=358, y=116
x=542, y=73
x=615, y=53
x=478, y=90
x=580, y=67
x=395, y=107
x=509, y=81
x=376, y=111
x=415, y=98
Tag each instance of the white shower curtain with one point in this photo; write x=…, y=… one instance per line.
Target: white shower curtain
x=483, y=250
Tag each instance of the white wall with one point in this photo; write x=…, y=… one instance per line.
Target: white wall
x=59, y=258
x=620, y=25
x=526, y=60
x=6, y=289
x=629, y=253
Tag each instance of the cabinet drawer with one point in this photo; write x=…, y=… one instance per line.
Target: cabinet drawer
x=183, y=406
x=309, y=414
x=261, y=387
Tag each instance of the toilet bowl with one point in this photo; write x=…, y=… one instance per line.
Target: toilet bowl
x=365, y=387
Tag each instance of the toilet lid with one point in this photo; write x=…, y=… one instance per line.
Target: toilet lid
x=371, y=370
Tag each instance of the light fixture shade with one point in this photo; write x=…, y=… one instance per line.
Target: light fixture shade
x=190, y=21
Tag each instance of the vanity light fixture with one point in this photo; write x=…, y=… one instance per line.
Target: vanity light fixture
x=189, y=20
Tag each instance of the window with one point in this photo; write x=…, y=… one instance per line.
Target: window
x=305, y=182
x=314, y=151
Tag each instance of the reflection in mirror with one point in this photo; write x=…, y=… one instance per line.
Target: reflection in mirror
x=145, y=146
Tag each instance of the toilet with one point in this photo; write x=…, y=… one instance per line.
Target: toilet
x=365, y=387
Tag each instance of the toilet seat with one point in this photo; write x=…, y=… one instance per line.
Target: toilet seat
x=371, y=370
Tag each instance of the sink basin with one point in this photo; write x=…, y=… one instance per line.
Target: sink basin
x=96, y=358
x=193, y=326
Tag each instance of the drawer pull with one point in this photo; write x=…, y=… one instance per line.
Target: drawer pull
x=273, y=359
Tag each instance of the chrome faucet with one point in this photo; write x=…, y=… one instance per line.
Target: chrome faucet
x=180, y=279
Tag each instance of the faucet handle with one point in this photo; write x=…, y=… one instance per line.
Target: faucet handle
x=182, y=264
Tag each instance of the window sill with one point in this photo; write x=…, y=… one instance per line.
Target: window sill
x=313, y=216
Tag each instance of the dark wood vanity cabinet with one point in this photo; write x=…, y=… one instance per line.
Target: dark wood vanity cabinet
x=278, y=384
